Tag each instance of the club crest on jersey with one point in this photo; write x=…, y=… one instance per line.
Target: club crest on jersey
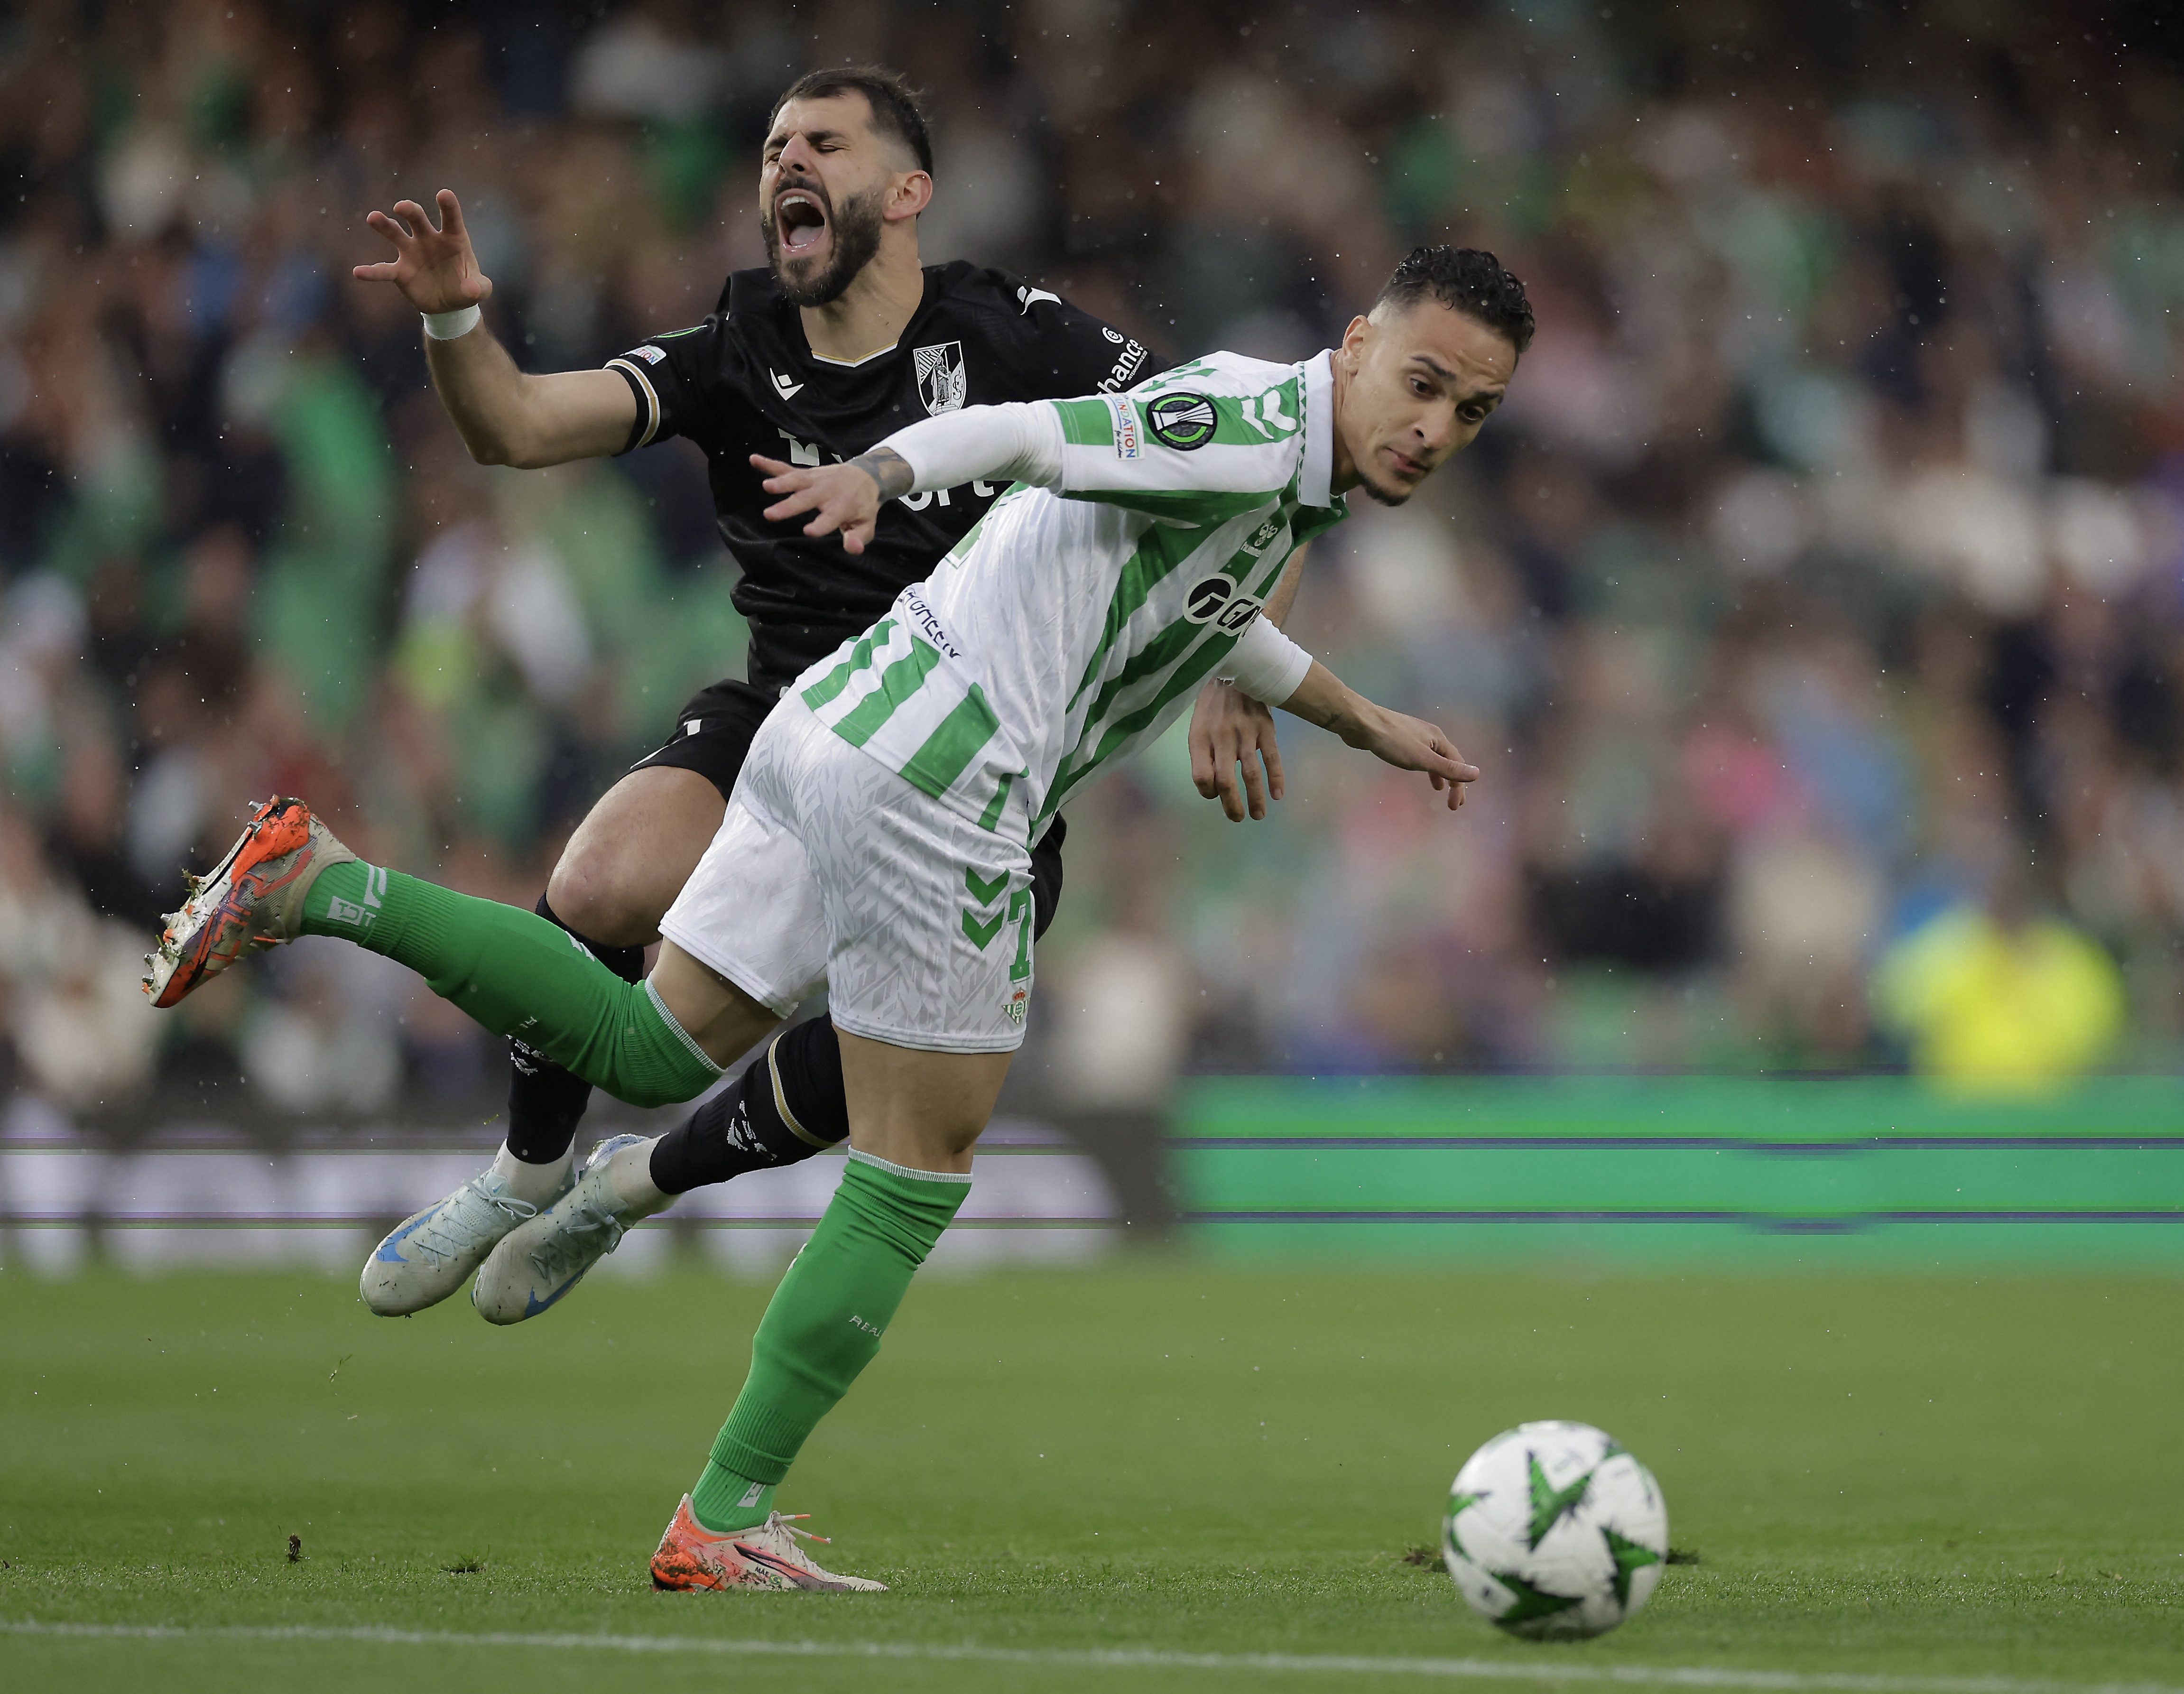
x=943, y=384
x=1183, y=421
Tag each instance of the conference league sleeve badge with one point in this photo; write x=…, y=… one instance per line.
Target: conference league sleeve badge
x=1183, y=421
x=942, y=382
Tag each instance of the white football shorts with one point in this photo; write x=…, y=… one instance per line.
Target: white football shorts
x=829, y=867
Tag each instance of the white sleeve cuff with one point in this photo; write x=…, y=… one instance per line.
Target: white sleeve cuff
x=1265, y=664
x=1017, y=442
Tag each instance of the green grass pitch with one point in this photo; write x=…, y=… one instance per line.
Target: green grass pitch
x=1903, y=1477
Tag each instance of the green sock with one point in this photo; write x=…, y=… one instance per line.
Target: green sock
x=724, y=1502
x=823, y=1326
x=518, y=975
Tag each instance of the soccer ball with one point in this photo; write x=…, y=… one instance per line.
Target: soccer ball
x=1554, y=1532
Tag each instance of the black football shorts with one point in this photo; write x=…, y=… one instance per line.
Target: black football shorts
x=713, y=736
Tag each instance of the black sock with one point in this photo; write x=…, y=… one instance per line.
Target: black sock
x=745, y=1128
x=545, y=1103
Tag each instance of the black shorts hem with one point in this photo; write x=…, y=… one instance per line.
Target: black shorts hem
x=713, y=733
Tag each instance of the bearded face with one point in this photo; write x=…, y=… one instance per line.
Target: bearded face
x=816, y=247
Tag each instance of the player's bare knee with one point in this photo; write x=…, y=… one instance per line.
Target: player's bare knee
x=594, y=894
x=933, y=1147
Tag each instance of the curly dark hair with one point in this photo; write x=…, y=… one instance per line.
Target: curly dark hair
x=1467, y=280
x=896, y=111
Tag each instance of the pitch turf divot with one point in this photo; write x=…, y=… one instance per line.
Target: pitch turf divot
x=1476, y=1670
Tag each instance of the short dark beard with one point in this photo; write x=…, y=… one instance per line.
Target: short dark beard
x=1381, y=496
x=854, y=228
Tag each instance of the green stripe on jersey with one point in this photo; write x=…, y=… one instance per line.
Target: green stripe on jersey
x=898, y=683
x=860, y=655
x=1086, y=423
x=990, y=818
x=1171, y=642
x=1160, y=551
x=962, y=549
x=1204, y=511
x=1186, y=675
x=947, y=753
x=1176, y=376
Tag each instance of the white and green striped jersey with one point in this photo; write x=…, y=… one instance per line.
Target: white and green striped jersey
x=1076, y=621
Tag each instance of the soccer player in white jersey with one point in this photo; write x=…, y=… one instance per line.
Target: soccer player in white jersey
x=878, y=838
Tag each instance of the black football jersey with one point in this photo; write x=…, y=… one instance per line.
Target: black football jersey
x=746, y=381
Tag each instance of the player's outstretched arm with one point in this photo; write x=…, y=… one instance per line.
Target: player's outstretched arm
x=1408, y=743
x=504, y=415
x=1017, y=442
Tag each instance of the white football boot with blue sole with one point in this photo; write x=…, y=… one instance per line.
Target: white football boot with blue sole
x=431, y=1254
x=540, y=1260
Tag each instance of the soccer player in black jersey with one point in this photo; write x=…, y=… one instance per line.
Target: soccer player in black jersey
x=844, y=339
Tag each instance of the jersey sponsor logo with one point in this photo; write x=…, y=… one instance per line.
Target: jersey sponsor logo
x=1031, y=297
x=1126, y=366
x=650, y=355
x=1216, y=600
x=1123, y=416
x=943, y=384
x=782, y=385
x=1184, y=420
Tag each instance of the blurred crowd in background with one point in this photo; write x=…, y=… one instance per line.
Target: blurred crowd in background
x=1815, y=606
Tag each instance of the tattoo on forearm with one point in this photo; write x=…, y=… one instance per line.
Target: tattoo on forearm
x=888, y=468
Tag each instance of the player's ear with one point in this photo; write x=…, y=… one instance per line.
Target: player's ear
x=908, y=195
x=1356, y=338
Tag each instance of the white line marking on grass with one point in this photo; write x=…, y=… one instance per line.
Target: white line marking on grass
x=1116, y=1658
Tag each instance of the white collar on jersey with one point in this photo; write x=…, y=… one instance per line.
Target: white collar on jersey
x=1313, y=483
x=852, y=363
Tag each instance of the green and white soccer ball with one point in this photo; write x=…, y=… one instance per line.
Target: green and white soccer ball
x=1553, y=1531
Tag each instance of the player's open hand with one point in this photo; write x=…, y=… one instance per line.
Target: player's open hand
x=1229, y=730
x=838, y=497
x=1411, y=743
x=435, y=268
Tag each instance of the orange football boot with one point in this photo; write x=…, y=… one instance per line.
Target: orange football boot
x=253, y=899
x=692, y=1557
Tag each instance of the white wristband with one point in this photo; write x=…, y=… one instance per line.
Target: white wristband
x=447, y=326
x=1265, y=664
